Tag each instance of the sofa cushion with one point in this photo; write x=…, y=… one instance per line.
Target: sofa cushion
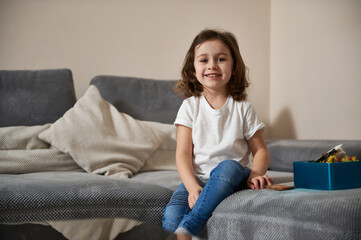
x=143, y=99
x=35, y=97
x=37, y=197
x=100, y=139
x=166, y=178
x=293, y=214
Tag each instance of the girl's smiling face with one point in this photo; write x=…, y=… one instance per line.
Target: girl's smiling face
x=213, y=65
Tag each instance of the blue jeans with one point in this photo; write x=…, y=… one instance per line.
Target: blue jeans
x=224, y=179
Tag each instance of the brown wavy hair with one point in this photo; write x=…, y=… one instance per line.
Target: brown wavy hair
x=189, y=85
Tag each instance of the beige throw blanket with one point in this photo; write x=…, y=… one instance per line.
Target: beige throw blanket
x=21, y=151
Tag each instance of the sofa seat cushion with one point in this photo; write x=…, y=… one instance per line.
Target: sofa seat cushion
x=293, y=214
x=169, y=179
x=46, y=196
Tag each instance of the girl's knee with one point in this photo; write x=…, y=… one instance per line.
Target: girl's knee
x=229, y=169
x=230, y=164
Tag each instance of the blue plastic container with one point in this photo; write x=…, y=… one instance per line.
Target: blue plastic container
x=327, y=176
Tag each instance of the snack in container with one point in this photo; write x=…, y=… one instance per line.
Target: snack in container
x=336, y=154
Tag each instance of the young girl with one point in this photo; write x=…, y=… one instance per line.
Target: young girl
x=217, y=129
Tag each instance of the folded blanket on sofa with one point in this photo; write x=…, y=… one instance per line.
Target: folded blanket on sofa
x=21, y=151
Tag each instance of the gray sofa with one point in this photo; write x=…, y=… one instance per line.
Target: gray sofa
x=29, y=98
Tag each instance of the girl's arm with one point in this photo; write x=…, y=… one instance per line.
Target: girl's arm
x=257, y=178
x=184, y=161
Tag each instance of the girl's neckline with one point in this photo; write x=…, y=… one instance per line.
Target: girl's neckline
x=210, y=108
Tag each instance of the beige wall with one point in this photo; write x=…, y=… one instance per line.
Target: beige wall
x=315, y=69
x=141, y=38
x=304, y=56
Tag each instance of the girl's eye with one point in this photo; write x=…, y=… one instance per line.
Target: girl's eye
x=221, y=59
x=203, y=60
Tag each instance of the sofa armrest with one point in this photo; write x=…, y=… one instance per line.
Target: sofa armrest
x=284, y=152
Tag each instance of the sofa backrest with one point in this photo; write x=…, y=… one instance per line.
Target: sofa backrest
x=37, y=97
x=284, y=152
x=143, y=99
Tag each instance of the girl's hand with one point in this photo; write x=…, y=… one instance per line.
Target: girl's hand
x=193, y=195
x=259, y=182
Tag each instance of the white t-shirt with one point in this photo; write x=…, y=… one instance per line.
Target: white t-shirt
x=218, y=134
